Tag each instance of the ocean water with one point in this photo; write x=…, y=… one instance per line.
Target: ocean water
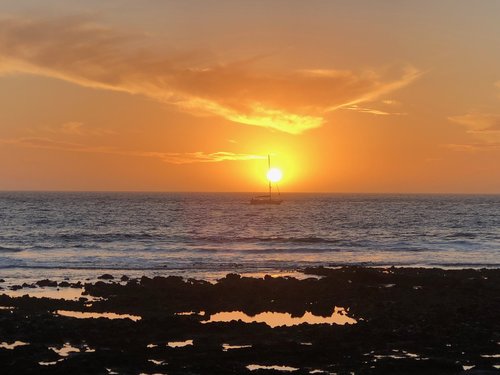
x=67, y=234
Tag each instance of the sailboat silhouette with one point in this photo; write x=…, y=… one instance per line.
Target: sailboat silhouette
x=267, y=199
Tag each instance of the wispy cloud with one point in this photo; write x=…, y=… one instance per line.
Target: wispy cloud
x=201, y=157
x=473, y=146
x=48, y=143
x=167, y=157
x=372, y=111
x=479, y=123
x=484, y=129
x=79, y=51
x=76, y=128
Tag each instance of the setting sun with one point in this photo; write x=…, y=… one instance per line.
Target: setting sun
x=274, y=175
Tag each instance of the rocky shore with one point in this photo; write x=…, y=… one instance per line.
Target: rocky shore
x=400, y=321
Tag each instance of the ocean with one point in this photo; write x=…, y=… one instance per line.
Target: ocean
x=56, y=234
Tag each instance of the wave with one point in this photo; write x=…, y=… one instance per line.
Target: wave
x=308, y=239
x=467, y=264
x=175, y=267
x=110, y=237
x=272, y=266
x=106, y=237
x=10, y=249
x=462, y=235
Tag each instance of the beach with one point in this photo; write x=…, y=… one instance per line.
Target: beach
x=334, y=320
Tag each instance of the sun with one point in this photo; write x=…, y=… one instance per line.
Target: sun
x=274, y=174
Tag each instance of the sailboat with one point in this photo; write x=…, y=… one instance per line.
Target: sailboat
x=267, y=199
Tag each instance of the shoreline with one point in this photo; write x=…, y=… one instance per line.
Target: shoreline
x=13, y=274
x=395, y=320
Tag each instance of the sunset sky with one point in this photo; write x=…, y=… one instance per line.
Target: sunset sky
x=192, y=95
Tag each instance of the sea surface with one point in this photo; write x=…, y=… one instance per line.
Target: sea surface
x=202, y=235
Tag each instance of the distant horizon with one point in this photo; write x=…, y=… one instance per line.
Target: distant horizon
x=249, y=192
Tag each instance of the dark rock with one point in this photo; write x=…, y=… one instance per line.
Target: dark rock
x=106, y=276
x=76, y=285
x=124, y=278
x=451, y=320
x=64, y=284
x=46, y=282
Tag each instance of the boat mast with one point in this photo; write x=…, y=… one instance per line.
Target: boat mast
x=269, y=167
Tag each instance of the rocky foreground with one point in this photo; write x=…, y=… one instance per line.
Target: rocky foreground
x=409, y=321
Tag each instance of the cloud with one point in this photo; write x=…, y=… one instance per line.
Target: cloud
x=479, y=123
x=167, y=157
x=77, y=50
x=372, y=111
x=76, y=128
x=473, y=147
x=201, y=157
x=73, y=128
x=390, y=102
x=484, y=129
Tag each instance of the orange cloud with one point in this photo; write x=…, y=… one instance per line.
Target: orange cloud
x=76, y=128
x=167, y=157
x=372, y=111
x=84, y=53
x=484, y=129
x=472, y=147
x=479, y=123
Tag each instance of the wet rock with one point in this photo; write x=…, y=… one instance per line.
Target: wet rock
x=64, y=284
x=106, y=276
x=16, y=287
x=46, y=283
x=397, y=327
x=124, y=278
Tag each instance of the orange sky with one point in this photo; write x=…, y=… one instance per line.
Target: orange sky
x=348, y=96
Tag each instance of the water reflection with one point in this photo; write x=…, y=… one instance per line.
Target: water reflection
x=42, y=363
x=90, y=315
x=65, y=350
x=180, y=344
x=226, y=347
x=272, y=367
x=156, y=361
x=15, y=344
x=70, y=294
x=277, y=319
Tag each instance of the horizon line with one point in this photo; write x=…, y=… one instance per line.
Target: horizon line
x=240, y=192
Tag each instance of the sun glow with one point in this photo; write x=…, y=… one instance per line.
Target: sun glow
x=274, y=174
